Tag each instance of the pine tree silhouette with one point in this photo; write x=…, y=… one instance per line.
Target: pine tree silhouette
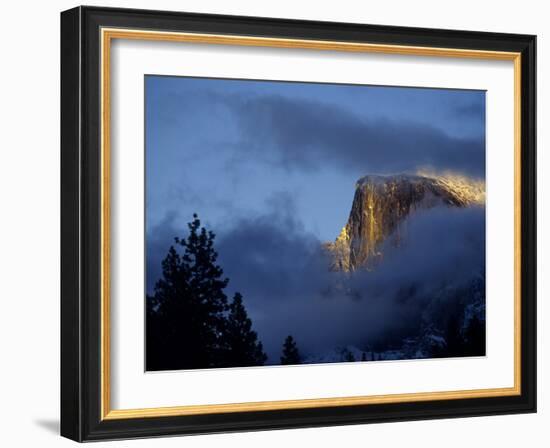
x=347, y=356
x=291, y=355
x=185, y=315
x=189, y=323
x=243, y=348
x=350, y=357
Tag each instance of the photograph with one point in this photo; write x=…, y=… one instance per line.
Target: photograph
x=299, y=223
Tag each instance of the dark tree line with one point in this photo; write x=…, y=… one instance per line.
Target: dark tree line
x=190, y=322
x=291, y=354
x=243, y=347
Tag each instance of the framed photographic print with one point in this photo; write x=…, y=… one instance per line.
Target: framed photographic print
x=273, y=223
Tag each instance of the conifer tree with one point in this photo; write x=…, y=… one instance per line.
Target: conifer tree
x=291, y=355
x=241, y=342
x=347, y=356
x=186, y=314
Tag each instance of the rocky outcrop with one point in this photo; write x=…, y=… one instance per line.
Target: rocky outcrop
x=380, y=207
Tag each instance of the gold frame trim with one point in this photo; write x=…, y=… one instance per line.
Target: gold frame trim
x=107, y=35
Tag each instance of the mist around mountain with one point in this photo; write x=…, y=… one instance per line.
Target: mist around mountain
x=381, y=207
x=400, y=223
x=405, y=279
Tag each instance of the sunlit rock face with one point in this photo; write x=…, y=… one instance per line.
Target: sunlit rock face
x=380, y=207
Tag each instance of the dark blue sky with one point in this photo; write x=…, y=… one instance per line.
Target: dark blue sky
x=271, y=168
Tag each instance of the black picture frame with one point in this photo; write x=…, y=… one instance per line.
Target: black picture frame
x=81, y=415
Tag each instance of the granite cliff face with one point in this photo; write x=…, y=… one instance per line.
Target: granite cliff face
x=381, y=206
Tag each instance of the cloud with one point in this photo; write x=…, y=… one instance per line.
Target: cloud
x=441, y=245
x=474, y=110
x=306, y=134
x=299, y=133
x=158, y=240
x=283, y=274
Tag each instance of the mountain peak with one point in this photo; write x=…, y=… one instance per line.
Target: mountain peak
x=458, y=190
x=384, y=178
x=381, y=205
